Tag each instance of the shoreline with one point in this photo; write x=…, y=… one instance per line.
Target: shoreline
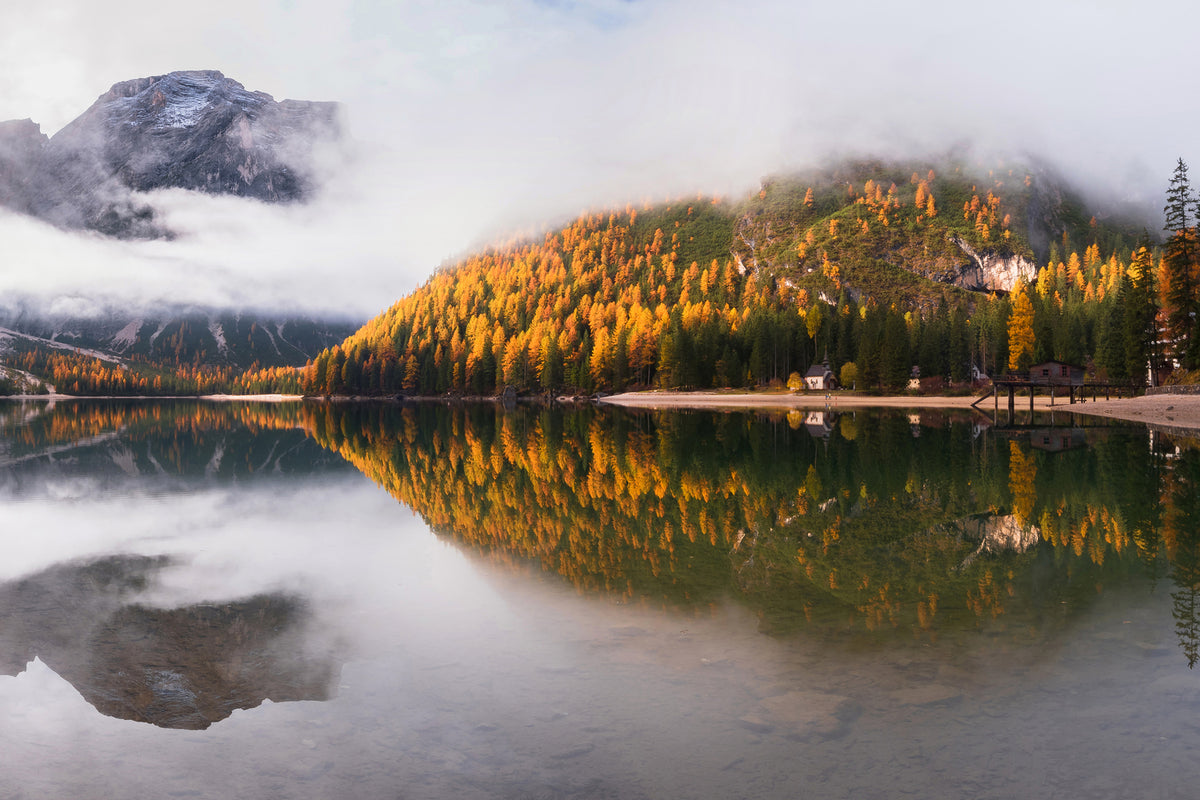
x=213, y=398
x=1174, y=413
x=1178, y=412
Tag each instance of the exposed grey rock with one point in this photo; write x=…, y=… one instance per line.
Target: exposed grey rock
x=927, y=696
x=193, y=130
x=574, y=752
x=21, y=145
x=755, y=724
x=810, y=714
x=989, y=272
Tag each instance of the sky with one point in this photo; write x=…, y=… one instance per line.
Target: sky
x=471, y=121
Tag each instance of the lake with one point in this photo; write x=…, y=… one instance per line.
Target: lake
x=207, y=600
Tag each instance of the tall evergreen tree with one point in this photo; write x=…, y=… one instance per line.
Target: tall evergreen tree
x=1111, y=353
x=960, y=347
x=1179, y=267
x=870, y=347
x=895, y=359
x=1140, y=310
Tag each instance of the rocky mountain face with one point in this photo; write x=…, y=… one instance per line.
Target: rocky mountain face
x=990, y=271
x=193, y=130
x=21, y=146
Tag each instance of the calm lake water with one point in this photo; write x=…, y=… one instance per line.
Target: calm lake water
x=377, y=601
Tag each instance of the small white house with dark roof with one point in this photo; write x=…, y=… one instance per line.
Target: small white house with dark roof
x=819, y=378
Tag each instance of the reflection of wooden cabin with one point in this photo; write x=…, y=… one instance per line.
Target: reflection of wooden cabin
x=820, y=378
x=1056, y=373
x=1055, y=440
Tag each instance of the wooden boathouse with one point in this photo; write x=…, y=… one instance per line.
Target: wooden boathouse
x=1053, y=377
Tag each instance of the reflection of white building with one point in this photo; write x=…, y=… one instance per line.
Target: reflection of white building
x=819, y=423
x=914, y=425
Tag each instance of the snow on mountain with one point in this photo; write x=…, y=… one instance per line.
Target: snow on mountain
x=194, y=130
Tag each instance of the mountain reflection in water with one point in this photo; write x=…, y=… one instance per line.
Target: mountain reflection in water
x=863, y=526
x=176, y=668
x=950, y=609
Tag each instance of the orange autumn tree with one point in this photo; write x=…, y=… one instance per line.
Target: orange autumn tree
x=1020, y=331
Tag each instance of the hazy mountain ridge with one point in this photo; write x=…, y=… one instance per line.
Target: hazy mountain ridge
x=195, y=130
x=183, y=335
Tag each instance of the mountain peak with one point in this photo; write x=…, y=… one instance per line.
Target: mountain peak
x=197, y=77
x=193, y=129
x=179, y=99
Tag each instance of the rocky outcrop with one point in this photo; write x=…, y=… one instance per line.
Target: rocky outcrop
x=21, y=146
x=188, y=130
x=991, y=272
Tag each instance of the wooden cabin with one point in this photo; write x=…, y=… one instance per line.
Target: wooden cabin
x=1056, y=373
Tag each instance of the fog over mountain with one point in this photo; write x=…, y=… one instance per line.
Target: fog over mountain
x=194, y=130
x=471, y=120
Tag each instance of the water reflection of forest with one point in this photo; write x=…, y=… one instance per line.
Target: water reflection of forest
x=873, y=523
x=132, y=441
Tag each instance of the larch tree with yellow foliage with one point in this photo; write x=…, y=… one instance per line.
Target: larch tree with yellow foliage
x=1020, y=331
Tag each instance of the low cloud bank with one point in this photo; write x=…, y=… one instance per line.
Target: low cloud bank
x=469, y=120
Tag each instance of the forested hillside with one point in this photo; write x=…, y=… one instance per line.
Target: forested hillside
x=874, y=267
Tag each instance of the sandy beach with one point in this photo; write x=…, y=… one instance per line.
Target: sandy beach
x=1171, y=411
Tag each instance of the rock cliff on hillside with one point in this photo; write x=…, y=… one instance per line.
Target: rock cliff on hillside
x=989, y=272
x=21, y=145
x=190, y=130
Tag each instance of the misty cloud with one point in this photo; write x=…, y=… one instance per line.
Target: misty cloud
x=471, y=119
